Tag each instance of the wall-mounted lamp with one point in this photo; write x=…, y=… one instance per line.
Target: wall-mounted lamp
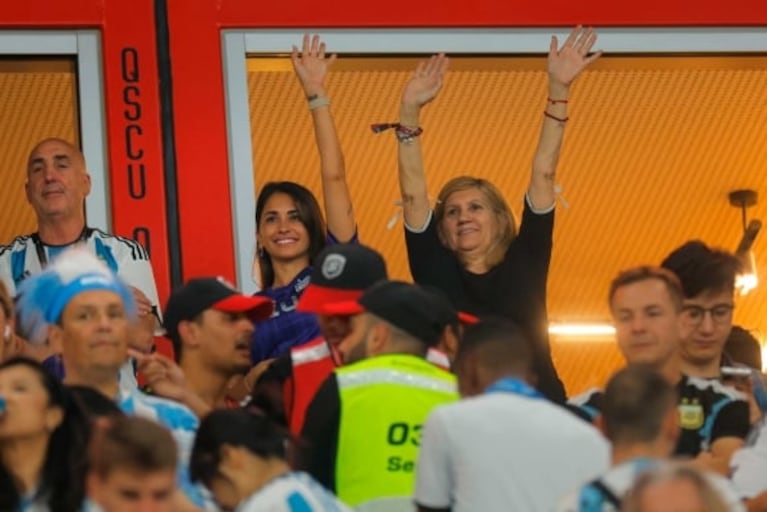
x=747, y=279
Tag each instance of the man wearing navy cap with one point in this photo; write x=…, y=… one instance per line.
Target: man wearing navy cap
x=363, y=426
x=342, y=273
x=210, y=324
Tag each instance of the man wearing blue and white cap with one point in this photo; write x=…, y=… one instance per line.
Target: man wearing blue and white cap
x=82, y=305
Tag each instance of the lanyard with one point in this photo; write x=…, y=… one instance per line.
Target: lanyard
x=515, y=386
x=40, y=246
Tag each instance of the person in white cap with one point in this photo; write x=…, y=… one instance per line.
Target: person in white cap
x=210, y=324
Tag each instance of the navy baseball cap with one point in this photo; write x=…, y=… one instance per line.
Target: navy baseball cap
x=415, y=310
x=341, y=274
x=199, y=294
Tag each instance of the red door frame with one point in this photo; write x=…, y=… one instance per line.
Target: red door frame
x=199, y=108
x=132, y=105
x=135, y=138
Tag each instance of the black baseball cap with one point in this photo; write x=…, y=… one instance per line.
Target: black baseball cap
x=341, y=274
x=409, y=307
x=199, y=294
x=447, y=313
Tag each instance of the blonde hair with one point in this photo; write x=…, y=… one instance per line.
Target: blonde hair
x=498, y=204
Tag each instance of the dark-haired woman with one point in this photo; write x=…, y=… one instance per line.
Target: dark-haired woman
x=291, y=229
x=43, y=436
x=469, y=245
x=241, y=458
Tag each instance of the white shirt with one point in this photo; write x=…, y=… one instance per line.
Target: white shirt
x=748, y=466
x=125, y=257
x=182, y=424
x=502, y=451
x=292, y=492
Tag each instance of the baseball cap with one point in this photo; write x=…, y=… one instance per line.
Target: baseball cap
x=415, y=310
x=448, y=314
x=43, y=297
x=199, y=294
x=342, y=273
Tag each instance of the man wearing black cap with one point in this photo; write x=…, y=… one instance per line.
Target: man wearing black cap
x=342, y=273
x=363, y=426
x=210, y=324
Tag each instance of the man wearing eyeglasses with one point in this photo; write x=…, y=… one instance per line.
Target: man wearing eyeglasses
x=707, y=277
x=708, y=281
x=647, y=305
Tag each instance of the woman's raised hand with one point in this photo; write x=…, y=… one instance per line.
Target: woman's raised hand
x=311, y=65
x=567, y=62
x=426, y=81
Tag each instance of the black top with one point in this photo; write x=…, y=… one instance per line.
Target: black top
x=515, y=288
x=320, y=433
x=268, y=391
x=280, y=370
x=708, y=410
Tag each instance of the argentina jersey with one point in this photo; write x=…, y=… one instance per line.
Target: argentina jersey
x=27, y=255
x=709, y=410
x=293, y=492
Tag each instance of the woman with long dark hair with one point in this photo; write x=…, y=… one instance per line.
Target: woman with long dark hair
x=291, y=229
x=43, y=439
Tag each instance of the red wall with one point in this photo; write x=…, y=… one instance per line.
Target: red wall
x=132, y=109
x=198, y=96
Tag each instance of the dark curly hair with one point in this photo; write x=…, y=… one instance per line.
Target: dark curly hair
x=701, y=268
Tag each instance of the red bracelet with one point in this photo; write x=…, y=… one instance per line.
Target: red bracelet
x=555, y=118
x=554, y=102
x=403, y=133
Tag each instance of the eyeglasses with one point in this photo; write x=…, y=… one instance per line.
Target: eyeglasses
x=720, y=314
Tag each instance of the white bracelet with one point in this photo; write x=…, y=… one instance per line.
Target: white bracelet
x=316, y=102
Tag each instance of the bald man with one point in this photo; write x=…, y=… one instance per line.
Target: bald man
x=56, y=187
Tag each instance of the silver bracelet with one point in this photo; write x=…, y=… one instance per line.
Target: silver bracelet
x=316, y=102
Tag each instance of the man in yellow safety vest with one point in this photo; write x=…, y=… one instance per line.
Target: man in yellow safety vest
x=364, y=425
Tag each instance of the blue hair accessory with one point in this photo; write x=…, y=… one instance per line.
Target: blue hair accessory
x=83, y=283
x=759, y=390
x=43, y=297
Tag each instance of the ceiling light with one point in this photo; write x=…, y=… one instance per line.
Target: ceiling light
x=581, y=330
x=747, y=279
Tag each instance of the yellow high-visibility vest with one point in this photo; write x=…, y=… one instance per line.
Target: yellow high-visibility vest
x=385, y=401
